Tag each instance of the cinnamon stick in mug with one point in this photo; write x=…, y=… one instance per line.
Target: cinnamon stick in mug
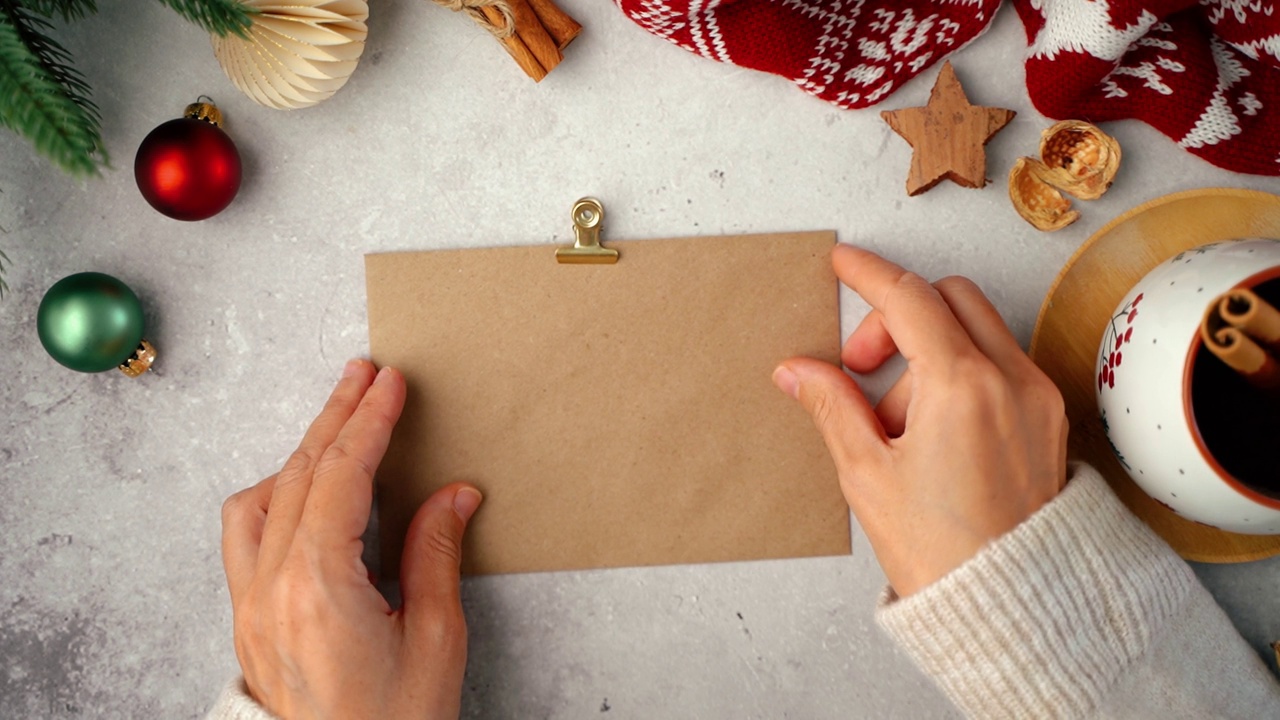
x=1243, y=309
x=1239, y=351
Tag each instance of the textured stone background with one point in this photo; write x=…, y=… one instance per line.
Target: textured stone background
x=112, y=602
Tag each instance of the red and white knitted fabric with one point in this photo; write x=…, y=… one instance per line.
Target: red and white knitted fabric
x=1204, y=72
x=847, y=52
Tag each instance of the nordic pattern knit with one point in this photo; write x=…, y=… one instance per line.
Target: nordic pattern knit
x=1206, y=73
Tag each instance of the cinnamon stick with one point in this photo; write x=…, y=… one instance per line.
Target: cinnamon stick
x=540, y=31
x=515, y=46
x=1239, y=351
x=1243, y=309
x=562, y=28
x=535, y=37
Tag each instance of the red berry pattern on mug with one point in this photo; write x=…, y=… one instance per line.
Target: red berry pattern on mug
x=1115, y=339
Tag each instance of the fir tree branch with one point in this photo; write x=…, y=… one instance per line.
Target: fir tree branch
x=68, y=10
x=42, y=97
x=217, y=16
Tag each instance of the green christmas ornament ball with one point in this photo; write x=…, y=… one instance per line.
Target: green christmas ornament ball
x=90, y=322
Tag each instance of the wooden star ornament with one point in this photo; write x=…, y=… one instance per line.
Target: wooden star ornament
x=948, y=136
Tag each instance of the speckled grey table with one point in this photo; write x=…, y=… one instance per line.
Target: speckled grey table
x=112, y=602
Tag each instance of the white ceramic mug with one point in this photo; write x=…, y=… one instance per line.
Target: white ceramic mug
x=1149, y=361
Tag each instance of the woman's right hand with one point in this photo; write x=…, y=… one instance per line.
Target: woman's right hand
x=970, y=441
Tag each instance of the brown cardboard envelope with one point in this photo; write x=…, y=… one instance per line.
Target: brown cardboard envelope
x=612, y=415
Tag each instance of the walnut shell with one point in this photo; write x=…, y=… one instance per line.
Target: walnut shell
x=1035, y=199
x=1081, y=159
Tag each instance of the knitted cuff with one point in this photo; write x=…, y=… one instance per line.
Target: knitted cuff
x=1046, y=618
x=234, y=703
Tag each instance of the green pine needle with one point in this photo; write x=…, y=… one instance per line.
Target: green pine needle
x=68, y=10
x=217, y=16
x=42, y=97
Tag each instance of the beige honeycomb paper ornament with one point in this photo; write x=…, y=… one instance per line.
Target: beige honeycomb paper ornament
x=298, y=53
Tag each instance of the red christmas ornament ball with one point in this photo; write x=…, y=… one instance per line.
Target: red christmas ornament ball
x=188, y=168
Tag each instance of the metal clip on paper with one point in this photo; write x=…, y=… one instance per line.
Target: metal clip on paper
x=588, y=214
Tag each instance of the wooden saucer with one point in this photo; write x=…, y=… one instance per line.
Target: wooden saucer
x=1069, y=328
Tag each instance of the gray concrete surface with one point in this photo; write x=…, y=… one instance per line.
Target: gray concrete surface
x=112, y=602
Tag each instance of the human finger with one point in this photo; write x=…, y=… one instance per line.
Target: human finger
x=983, y=323
x=892, y=408
x=869, y=346
x=293, y=483
x=431, y=562
x=915, y=315
x=837, y=406
x=341, y=496
x=243, y=516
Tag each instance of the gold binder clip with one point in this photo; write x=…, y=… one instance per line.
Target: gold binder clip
x=588, y=214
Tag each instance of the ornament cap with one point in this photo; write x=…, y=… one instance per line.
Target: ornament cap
x=140, y=361
x=206, y=111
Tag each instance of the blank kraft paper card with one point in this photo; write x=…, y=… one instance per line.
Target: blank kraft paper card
x=612, y=415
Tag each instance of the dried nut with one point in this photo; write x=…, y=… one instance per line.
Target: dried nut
x=1082, y=160
x=1035, y=199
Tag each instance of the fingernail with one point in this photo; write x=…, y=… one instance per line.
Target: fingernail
x=465, y=502
x=351, y=367
x=786, y=381
x=383, y=374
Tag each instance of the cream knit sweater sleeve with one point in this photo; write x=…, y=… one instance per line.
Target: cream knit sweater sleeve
x=1081, y=611
x=235, y=704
